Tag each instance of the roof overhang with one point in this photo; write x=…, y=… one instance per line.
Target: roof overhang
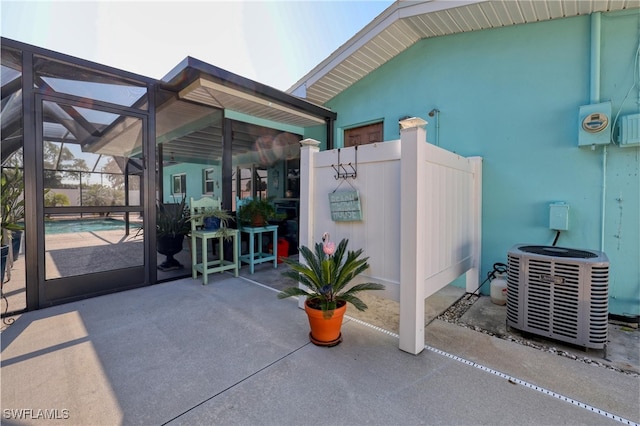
x=202, y=83
x=405, y=22
x=204, y=91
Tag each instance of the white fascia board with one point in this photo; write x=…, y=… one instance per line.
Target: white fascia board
x=398, y=10
x=407, y=9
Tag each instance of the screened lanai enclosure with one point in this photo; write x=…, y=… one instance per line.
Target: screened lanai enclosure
x=89, y=152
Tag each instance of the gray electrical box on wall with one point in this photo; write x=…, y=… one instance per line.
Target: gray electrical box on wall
x=629, y=130
x=559, y=216
x=594, y=127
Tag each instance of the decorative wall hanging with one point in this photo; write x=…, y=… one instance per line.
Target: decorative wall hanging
x=345, y=206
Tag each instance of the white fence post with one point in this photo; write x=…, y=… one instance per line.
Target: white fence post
x=308, y=149
x=412, y=232
x=473, y=275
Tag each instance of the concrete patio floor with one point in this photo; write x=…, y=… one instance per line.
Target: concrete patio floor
x=232, y=353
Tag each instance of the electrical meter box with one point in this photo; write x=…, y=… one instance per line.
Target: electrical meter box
x=559, y=216
x=594, y=127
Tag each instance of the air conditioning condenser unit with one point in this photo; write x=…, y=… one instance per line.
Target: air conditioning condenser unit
x=559, y=293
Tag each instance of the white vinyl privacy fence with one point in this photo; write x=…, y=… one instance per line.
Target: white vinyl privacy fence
x=418, y=218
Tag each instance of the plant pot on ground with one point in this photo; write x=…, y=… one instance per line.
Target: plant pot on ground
x=16, y=240
x=172, y=224
x=326, y=273
x=4, y=252
x=170, y=246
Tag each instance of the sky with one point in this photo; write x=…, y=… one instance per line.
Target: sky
x=273, y=42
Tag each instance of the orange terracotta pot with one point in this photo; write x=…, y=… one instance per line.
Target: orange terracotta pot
x=325, y=332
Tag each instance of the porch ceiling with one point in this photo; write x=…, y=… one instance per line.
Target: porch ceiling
x=192, y=133
x=405, y=23
x=218, y=95
x=205, y=84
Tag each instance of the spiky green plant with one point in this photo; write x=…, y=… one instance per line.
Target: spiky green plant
x=224, y=231
x=326, y=275
x=257, y=210
x=11, y=202
x=172, y=220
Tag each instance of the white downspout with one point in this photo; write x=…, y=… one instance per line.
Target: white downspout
x=594, y=93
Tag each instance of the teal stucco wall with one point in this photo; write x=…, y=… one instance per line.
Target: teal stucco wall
x=195, y=182
x=511, y=95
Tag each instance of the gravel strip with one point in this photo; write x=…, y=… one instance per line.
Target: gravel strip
x=458, y=309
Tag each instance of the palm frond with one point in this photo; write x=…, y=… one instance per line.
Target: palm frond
x=292, y=291
x=364, y=287
x=326, y=277
x=355, y=301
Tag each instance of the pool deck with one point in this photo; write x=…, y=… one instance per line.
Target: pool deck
x=77, y=253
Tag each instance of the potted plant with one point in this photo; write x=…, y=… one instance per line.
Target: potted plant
x=12, y=210
x=326, y=275
x=214, y=219
x=172, y=224
x=256, y=212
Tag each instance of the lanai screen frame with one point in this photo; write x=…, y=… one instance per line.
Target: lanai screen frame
x=178, y=78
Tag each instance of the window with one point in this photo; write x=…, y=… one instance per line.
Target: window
x=180, y=184
x=207, y=181
x=363, y=135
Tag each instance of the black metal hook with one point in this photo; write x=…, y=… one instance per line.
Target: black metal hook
x=341, y=170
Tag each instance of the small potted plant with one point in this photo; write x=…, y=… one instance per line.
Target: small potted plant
x=256, y=212
x=326, y=275
x=172, y=224
x=214, y=219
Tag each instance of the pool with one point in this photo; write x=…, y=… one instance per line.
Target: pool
x=87, y=225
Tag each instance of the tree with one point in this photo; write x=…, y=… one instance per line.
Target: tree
x=60, y=163
x=51, y=199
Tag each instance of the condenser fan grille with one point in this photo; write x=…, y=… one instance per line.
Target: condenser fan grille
x=558, y=252
x=559, y=296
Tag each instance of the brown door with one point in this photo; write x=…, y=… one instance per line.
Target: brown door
x=363, y=135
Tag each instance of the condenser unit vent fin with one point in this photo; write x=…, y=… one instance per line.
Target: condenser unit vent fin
x=559, y=293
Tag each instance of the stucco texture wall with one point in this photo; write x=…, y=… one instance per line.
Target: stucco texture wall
x=512, y=95
x=195, y=182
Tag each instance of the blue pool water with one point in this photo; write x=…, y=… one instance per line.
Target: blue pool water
x=89, y=225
